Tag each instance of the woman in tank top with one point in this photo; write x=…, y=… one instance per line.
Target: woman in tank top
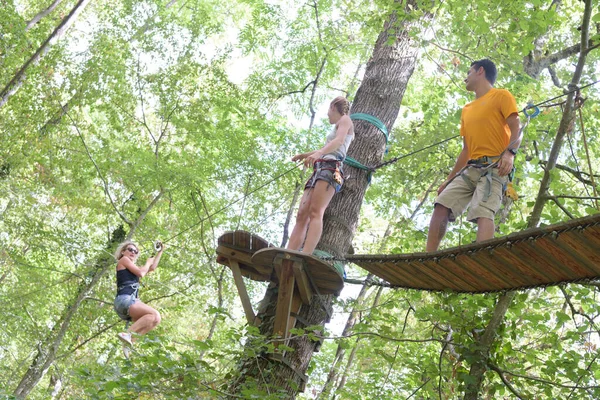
x=127, y=303
x=326, y=180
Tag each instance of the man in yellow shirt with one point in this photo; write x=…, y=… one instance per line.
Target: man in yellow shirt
x=489, y=126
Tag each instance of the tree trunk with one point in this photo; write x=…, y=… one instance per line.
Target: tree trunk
x=17, y=80
x=484, y=344
x=47, y=350
x=38, y=17
x=341, y=351
x=46, y=353
x=380, y=94
x=332, y=377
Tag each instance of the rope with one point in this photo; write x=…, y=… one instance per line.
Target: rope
x=562, y=95
x=373, y=121
x=233, y=202
x=337, y=264
x=357, y=164
x=587, y=152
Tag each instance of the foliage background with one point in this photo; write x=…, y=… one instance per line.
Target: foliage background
x=201, y=102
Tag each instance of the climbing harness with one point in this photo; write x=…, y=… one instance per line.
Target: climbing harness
x=323, y=164
x=486, y=164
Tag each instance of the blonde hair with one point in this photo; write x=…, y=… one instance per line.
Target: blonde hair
x=122, y=247
x=341, y=104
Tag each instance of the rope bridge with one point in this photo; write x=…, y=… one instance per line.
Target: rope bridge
x=537, y=257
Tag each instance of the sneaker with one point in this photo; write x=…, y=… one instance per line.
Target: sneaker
x=125, y=338
x=126, y=351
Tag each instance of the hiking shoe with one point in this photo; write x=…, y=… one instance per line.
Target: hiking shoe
x=126, y=351
x=125, y=338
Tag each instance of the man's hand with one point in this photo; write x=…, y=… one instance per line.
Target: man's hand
x=505, y=164
x=443, y=186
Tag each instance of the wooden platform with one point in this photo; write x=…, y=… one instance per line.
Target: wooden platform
x=235, y=250
x=325, y=277
x=566, y=252
x=239, y=246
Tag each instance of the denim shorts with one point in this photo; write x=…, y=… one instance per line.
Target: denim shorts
x=324, y=172
x=122, y=304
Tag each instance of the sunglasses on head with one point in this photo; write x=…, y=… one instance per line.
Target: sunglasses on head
x=133, y=250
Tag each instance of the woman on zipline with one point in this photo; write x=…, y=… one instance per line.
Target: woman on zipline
x=326, y=180
x=127, y=303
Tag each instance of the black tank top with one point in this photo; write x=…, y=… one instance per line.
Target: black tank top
x=125, y=278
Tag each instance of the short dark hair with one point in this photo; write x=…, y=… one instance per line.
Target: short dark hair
x=489, y=67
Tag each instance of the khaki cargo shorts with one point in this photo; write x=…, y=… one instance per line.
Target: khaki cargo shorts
x=484, y=193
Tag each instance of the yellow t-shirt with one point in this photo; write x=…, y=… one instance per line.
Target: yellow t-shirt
x=483, y=123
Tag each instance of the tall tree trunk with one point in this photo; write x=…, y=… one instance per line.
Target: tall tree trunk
x=38, y=17
x=484, y=344
x=17, y=80
x=353, y=317
x=64, y=108
x=380, y=94
x=47, y=350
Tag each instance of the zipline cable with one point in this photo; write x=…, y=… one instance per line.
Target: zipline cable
x=562, y=95
x=234, y=202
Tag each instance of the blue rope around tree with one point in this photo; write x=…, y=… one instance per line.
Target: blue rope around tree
x=376, y=122
x=373, y=121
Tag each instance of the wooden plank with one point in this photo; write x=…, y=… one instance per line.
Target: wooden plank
x=471, y=272
x=325, y=276
x=447, y=280
x=241, y=287
x=413, y=276
x=302, y=282
x=526, y=250
x=294, y=309
x=395, y=274
x=586, y=249
x=531, y=273
x=496, y=270
x=284, y=300
x=569, y=258
x=459, y=272
x=244, y=259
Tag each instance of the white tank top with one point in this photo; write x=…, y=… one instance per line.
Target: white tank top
x=340, y=153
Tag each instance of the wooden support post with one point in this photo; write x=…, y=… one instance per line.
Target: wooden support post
x=241, y=287
x=284, y=298
x=294, y=309
x=302, y=281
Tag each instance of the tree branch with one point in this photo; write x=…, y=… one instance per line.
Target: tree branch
x=577, y=174
x=150, y=206
x=533, y=67
x=565, y=123
x=535, y=378
x=17, y=80
x=106, y=191
x=504, y=380
x=42, y=14
x=555, y=200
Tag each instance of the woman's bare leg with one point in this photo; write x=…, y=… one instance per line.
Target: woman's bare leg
x=302, y=220
x=322, y=195
x=145, y=318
